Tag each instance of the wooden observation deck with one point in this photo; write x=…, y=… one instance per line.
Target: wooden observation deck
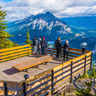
x=45, y=78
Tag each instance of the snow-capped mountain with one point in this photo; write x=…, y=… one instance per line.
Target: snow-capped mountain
x=46, y=25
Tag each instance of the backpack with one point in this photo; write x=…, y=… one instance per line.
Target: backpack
x=66, y=47
x=34, y=42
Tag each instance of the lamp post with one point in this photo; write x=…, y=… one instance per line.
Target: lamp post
x=83, y=46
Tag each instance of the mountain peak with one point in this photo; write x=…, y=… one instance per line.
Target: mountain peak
x=49, y=13
x=46, y=14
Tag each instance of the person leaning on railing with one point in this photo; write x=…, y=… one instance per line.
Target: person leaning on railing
x=58, y=46
x=66, y=50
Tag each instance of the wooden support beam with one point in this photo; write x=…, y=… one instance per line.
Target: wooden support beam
x=52, y=83
x=71, y=66
x=5, y=89
x=24, y=88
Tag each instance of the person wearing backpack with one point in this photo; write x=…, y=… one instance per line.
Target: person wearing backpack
x=35, y=44
x=39, y=45
x=66, y=50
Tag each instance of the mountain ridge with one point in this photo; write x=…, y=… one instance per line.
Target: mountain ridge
x=46, y=25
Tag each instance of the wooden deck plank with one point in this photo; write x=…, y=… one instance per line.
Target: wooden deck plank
x=7, y=73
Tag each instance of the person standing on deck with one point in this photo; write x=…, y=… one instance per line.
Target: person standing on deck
x=35, y=43
x=39, y=45
x=66, y=50
x=43, y=47
x=58, y=46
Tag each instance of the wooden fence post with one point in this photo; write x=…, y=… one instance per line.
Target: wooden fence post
x=5, y=89
x=85, y=65
x=91, y=62
x=24, y=88
x=52, y=83
x=71, y=67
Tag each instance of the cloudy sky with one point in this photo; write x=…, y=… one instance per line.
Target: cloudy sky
x=18, y=9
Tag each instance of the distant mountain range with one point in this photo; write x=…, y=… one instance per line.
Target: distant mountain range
x=84, y=29
x=45, y=25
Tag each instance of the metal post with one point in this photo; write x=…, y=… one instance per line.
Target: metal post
x=5, y=89
x=52, y=83
x=24, y=88
x=83, y=50
x=71, y=72
x=91, y=62
x=85, y=65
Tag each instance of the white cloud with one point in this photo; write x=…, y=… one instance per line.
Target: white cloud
x=18, y=9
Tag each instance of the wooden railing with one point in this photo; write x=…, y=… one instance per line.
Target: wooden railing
x=73, y=52
x=20, y=51
x=14, y=52
x=50, y=81
x=58, y=76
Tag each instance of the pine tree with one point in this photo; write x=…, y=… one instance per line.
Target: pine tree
x=28, y=41
x=4, y=36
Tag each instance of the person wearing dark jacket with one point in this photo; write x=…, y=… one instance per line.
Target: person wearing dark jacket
x=66, y=50
x=58, y=46
x=43, y=47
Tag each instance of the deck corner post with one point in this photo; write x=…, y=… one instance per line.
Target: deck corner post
x=91, y=62
x=24, y=88
x=85, y=65
x=5, y=89
x=71, y=68
x=52, y=82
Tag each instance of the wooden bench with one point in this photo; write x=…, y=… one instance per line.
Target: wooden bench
x=32, y=63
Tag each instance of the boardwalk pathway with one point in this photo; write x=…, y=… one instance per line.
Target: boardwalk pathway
x=7, y=73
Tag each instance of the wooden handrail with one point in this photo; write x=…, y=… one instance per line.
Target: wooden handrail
x=61, y=75
x=14, y=48
x=15, y=52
